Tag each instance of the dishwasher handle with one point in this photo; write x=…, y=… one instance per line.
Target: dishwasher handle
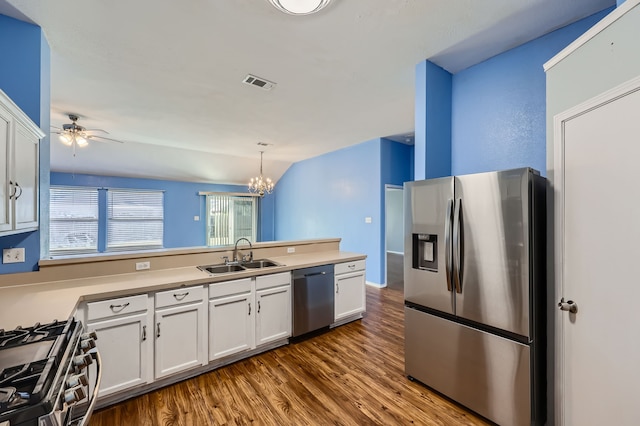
x=315, y=273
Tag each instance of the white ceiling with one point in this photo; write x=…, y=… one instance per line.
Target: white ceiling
x=166, y=75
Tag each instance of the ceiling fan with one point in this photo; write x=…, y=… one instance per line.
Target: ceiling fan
x=74, y=134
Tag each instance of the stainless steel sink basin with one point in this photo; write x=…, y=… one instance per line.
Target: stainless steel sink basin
x=260, y=263
x=221, y=269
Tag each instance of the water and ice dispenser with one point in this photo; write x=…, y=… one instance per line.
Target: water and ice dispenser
x=425, y=252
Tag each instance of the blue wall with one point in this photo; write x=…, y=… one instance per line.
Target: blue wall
x=331, y=195
x=432, y=121
x=181, y=201
x=498, y=106
x=25, y=78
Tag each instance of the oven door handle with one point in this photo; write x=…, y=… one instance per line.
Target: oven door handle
x=94, y=396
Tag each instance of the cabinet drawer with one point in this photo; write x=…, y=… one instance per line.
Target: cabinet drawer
x=229, y=288
x=343, y=268
x=179, y=296
x=267, y=281
x=115, y=307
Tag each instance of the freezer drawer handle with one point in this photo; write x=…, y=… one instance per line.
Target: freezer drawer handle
x=569, y=305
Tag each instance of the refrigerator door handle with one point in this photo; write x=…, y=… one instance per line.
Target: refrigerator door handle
x=457, y=242
x=447, y=244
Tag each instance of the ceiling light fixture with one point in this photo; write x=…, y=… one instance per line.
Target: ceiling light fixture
x=259, y=185
x=73, y=134
x=300, y=7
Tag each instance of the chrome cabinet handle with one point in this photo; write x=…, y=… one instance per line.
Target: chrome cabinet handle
x=180, y=296
x=158, y=330
x=249, y=308
x=120, y=307
x=144, y=333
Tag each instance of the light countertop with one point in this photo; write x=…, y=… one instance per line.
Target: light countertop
x=43, y=302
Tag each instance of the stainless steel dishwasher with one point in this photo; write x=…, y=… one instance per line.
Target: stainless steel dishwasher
x=313, y=299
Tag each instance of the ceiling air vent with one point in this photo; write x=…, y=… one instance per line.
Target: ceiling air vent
x=258, y=81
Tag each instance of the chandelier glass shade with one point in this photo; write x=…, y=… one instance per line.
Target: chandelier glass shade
x=261, y=185
x=300, y=7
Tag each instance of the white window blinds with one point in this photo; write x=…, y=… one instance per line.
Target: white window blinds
x=135, y=219
x=230, y=217
x=73, y=220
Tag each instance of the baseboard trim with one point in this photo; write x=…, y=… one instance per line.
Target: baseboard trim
x=383, y=285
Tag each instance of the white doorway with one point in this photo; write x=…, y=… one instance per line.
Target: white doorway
x=394, y=235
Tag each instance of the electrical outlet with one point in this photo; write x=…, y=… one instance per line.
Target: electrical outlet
x=291, y=249
x=13, y=255
x=196, y=218
x=367, y=219
x=140, y=266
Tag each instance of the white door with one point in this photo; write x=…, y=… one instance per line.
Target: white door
x=26, y=178
x=178, y=337
x=231, y=325
x=6, y=190
x=597, y=220
x=124, y=347
x=273, y=320
x=350, y=294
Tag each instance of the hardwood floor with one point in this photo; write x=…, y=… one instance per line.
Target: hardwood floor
x=352, y=375
x=395, y=271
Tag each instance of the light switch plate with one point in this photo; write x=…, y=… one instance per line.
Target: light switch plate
x=140, y=266
x=291, y=249
x=13, y=255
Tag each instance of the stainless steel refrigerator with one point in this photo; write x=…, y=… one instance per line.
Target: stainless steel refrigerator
x=474, y=271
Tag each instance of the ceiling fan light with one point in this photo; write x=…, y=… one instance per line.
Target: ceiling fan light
x=81, y=141
x=300, y=7
x=66, y=139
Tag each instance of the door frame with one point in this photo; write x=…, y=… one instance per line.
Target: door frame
x=559, y=122
x=388, y=187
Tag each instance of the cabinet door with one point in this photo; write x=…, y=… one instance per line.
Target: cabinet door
x=350, y=294
x=5, y=159
x=124, y=347
x=25, y=178
x=231, y=325
x=273, y=320
x=180, y=338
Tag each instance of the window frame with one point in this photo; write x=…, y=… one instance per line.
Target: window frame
x=231, y=235
x=95, y=236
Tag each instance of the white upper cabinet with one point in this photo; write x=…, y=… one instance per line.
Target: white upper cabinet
x=19, y=144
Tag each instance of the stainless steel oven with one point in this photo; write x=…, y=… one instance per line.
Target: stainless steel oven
x=44, y=377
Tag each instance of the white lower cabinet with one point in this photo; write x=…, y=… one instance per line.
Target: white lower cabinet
x=273, y=303
x=123, y=327
x=231, y=318
x=349, y=289
x=180, y=330
x=247, y=313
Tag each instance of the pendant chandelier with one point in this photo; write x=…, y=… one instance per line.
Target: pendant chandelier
x=299, y=7
x=259, y=185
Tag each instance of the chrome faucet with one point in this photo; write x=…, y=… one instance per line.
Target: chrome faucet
x=235, y=251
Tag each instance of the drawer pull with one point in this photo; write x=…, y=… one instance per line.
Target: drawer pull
x=144, y=333
x=352, y=267
x=249, y=308
x=337, y=288
x=180, y=296
x=258, y=306
x=158, y=330
x=119, y=308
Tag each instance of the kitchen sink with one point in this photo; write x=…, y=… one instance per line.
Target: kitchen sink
x=221, y=269
x=225, y=269
x=260, y=263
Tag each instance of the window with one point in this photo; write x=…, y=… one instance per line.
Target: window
x=230, y=217
x=135, y=219
x=73, y=227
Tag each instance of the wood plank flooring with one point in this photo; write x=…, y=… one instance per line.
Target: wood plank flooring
x=352, y=375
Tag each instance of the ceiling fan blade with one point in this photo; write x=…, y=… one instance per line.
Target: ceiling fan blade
x=96, y=130
x=97, y=139
x=57, y=128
